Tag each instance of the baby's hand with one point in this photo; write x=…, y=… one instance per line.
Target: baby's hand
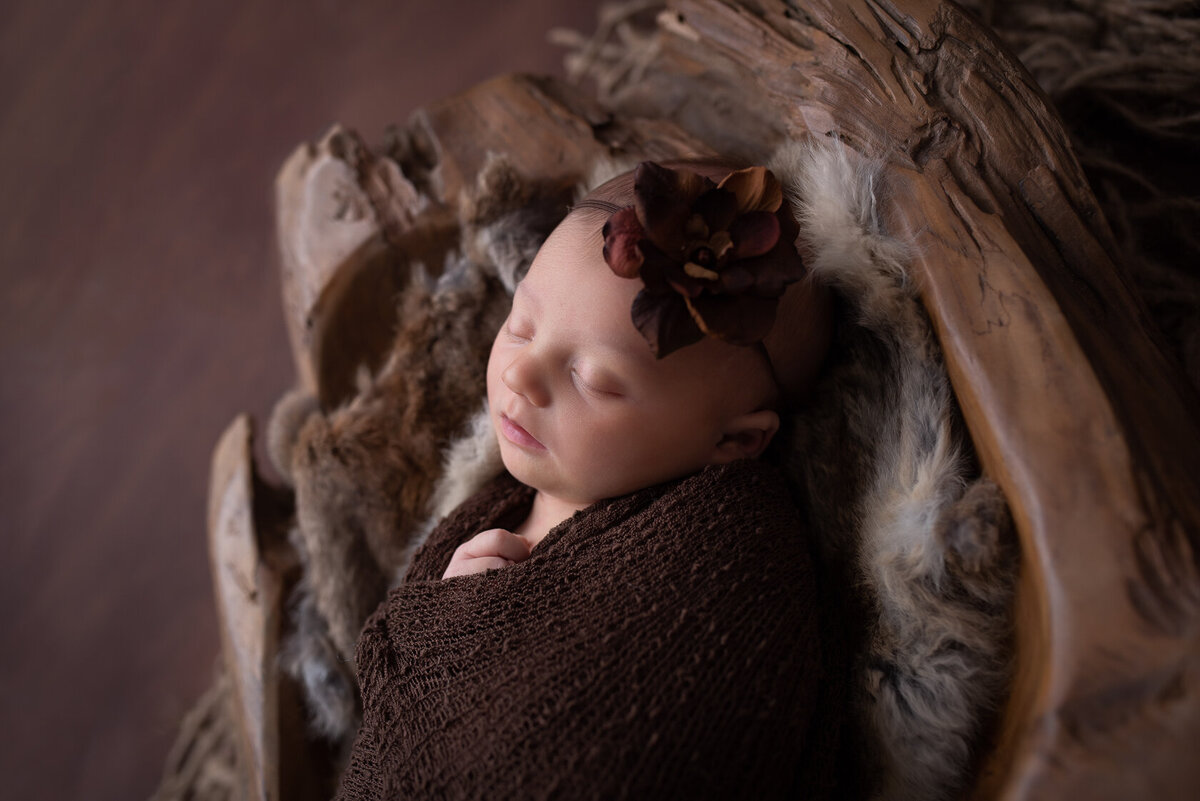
x=486, y=550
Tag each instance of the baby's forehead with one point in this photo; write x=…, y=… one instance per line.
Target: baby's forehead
x=577, y=244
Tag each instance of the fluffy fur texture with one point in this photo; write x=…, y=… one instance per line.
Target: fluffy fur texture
x=602, y=171
x=289, y=415
x=310, y=656
x=367, y=474
x=882, y=456
x=506, y=218
x=470, y=461
x=363, y=474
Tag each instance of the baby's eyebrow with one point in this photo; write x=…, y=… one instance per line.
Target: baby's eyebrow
x=635, y=351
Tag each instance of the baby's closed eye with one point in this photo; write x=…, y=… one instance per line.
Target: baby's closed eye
x=599, y=385
x=518, y=331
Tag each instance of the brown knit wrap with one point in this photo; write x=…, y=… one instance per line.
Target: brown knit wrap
x=659, y=645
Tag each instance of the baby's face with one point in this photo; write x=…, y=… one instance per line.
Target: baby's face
x=582, y=409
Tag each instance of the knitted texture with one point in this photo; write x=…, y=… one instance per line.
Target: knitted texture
x=659, y=645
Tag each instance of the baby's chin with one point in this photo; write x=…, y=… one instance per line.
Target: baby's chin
x=518, y=464
x=541, y=477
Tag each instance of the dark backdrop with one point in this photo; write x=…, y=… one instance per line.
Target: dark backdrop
x=140, y=311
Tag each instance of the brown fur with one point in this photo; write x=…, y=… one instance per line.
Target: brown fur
x=506, y=218
x=365, y=474
x=289, y=414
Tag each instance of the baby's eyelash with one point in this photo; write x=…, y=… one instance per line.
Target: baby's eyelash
x=600, y=393
x=508, y=329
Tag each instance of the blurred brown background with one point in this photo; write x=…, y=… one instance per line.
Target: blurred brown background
x=141, y=312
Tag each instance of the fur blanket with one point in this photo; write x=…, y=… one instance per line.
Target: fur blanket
x=897, y=502
x=367, y=473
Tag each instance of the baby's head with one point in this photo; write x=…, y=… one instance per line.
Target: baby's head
x=583, y=407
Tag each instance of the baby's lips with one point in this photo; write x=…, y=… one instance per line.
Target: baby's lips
x=517, y=435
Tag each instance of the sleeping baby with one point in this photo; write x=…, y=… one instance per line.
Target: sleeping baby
x=629, y=610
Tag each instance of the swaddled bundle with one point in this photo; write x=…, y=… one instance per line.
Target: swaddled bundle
x=647, y=648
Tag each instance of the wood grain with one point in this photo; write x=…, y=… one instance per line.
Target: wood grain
x=249, y=597
x=1076, y=411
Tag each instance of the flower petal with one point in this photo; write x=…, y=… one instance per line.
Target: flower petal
x=768, y=274
x=753, y=234
x=622, y=233
x=737, y=319
x=664, y=198
x=736, y=278
x=718, y=208
x=755, y=188
x=657, y=269
x=664, y=322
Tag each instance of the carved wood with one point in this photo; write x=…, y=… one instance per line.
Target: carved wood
x=249, y=603
x=1075, y=409
x=253, y=568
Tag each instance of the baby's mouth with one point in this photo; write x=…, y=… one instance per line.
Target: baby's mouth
x=517, y=435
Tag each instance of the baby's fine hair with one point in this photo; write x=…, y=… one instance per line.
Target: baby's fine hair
x=617, y=193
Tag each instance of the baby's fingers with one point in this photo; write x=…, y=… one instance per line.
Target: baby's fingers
x=496, y=542
x=466, y=566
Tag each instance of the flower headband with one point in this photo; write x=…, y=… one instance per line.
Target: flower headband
x=711, y=255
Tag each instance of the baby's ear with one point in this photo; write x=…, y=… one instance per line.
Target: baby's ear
x=746, y=436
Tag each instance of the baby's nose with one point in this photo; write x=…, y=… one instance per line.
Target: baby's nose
x=525, y=376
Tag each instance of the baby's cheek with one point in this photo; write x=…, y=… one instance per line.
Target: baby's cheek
x=622, y=447
x=491, y=365
x=493, y=376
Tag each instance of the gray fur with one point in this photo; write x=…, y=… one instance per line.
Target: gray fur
x=368, y=475
x=506, y=219
x=469, y=462
x=883, y=456
x=311, y=657
x=286, y=419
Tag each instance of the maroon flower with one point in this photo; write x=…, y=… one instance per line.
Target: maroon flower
x=711, y=256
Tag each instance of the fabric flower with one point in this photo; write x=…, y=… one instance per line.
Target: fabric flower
x=711, y=256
